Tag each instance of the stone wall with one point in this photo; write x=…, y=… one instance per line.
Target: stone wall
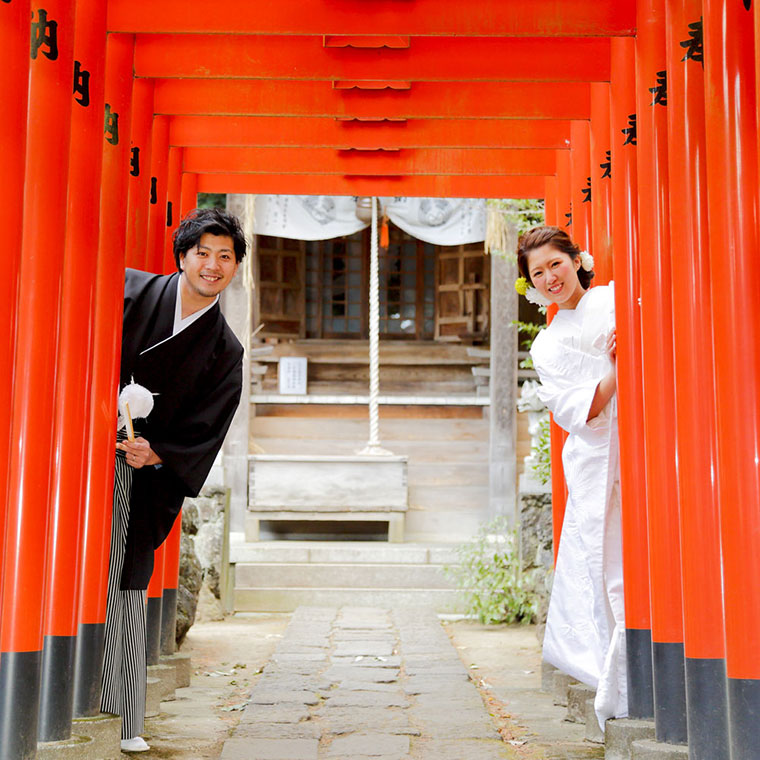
x=201, y=559
x=536, y=545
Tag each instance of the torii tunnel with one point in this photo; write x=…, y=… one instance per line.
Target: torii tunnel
x=636, y=122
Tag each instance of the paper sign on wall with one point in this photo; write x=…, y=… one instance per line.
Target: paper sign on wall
x=292, y=375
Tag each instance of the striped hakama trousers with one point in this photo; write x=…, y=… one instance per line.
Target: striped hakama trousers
x=124, y=666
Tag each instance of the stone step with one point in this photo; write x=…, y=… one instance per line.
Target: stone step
x=336, y=576
x=422, y=452
x=288, y=599
x=448, y=474
x=356, y=429
x=342, y=552
x=646, y=749
x=449, y=498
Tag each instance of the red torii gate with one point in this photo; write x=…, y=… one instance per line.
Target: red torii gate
x=466, y=99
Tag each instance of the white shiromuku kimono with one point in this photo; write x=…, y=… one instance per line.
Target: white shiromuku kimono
x=585, y=628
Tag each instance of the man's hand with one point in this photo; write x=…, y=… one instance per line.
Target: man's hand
x=139, y=453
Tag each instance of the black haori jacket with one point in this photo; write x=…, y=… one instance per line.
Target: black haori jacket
x=197, y=375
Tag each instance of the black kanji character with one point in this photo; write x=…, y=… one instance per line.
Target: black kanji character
x=154, y=190
x=748, y=5
x=134, y=162
x=630, y=130
x=81, y=85
x=607, y=165
x=168, y=213
x=587, y=191
x=660, y=92
x=695, y=44
x=45, y=33
x=111, y=128
x=569, y=217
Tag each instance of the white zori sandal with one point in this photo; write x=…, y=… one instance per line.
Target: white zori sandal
x=135, y=744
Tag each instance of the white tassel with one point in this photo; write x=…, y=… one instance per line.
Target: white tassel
x=135, y=401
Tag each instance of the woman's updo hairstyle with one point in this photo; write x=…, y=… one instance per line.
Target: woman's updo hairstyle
x=556, y=238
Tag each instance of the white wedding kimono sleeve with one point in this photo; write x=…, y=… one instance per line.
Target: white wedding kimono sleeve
x=569, y=379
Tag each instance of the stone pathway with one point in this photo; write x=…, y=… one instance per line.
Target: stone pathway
x=360, y=683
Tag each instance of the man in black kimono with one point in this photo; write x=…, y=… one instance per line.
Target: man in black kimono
x=177, y=344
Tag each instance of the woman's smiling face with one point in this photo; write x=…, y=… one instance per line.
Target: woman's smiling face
x=555, y=275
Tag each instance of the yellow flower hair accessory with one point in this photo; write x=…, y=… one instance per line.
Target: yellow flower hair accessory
x=521, y=285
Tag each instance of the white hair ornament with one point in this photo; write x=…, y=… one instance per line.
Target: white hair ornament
x=587, y=261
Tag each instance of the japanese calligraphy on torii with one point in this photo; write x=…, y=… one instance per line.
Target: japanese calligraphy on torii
x=630, y=130
x=660, y=92
x=695, y=44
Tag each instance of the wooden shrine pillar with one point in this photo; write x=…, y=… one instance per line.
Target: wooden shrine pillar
x=601, y=184
x=71, y=436
x=173, y=203
x=14, y=83
x=704, y=642
x=580, y=179
x=157, y=197
x=106, y=356
x=659, y=387
x=41, y=268
x=139, y=173
x=557, y=436
x=732, y=192
x=625, y=249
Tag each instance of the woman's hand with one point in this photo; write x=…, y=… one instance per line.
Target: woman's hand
x=612, y=345
x=139, y=453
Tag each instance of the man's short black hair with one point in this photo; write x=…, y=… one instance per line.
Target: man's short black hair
x=214, y=221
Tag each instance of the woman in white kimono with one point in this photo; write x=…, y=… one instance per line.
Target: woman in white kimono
x=575, y=360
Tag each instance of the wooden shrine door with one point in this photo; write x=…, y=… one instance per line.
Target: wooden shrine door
x=280, y=284
x=462, y=277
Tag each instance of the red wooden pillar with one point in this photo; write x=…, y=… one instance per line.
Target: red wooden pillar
x=601, y=185
x=14, y=78
x=558, y=436
x=139, y=173
x=106, y=356
x=171, y=582
x=659, y=388
x=41, y=261
x=173, y=202
x=159, y=160
x=580, y=177
x=189, y=194
x=550, y=201
x=695, y=401
x=732, y=188
x=154, y=599
x=73, y=383
x=625, y=247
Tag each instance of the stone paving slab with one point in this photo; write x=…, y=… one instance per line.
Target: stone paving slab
x=365, y=683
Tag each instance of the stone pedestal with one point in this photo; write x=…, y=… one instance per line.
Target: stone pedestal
x=167, y=675
x=95, y=738
x=562, y=683
x=153, y=697
x=647, y=749
x=547, y=676
x=577, y=696
x=594, y=731
x=183, y=668
x=621, y=733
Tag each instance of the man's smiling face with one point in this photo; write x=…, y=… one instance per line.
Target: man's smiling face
x=209, y=267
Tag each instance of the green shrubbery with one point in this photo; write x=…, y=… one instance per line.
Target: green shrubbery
x=489, y=574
